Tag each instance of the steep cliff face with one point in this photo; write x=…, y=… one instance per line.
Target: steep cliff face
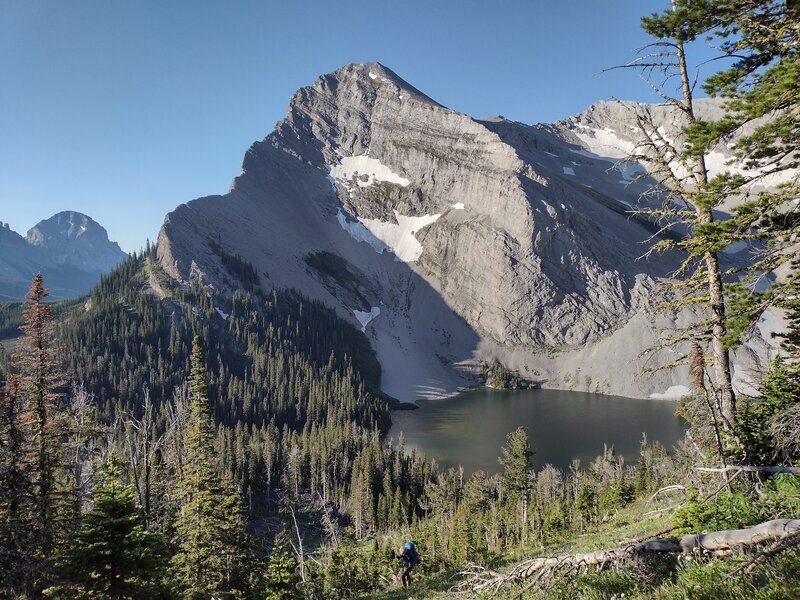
x=448, y=240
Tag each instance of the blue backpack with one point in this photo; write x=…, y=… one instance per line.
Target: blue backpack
x=411, y=552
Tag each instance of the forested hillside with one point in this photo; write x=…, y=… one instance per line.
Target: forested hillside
x=291, y=399
x=242, y=435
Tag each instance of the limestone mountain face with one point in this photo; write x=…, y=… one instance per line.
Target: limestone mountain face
x=448, y=240
x=70, y=250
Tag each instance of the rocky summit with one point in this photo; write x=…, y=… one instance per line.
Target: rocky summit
x=70, y=249
x=450, y=241
x=75, y=239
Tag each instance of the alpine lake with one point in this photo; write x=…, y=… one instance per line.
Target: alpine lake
x=469, y=429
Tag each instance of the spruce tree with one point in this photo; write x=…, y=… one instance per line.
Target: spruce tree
x=41, y=377
x=685, y=175
x=112, y=555
x=516, y=478
x=779, y=392
x=760, y=92
x=213, y=552
x=282, y=578
x=791, y=337
x=760, y=88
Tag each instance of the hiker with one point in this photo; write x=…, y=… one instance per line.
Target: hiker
x=409, y=559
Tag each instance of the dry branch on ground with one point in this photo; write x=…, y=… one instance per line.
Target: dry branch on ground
x=533, y=570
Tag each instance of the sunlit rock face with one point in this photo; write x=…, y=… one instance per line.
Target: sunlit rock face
x=448, y=240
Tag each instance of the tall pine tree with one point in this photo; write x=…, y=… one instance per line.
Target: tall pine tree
x=41, y=378
x=760, y=88
x=213, y=553
x=516, y=478
x=686, y=176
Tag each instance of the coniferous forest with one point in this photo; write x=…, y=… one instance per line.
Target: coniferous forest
x=159, y=449
x=166, y=441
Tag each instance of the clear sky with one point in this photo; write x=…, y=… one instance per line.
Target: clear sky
x=125, y=109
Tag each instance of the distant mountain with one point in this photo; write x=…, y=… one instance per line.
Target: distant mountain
x=70, y=249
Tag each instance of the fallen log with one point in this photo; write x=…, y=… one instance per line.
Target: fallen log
x=749, y=469
x=669, y=488
x=481, y=580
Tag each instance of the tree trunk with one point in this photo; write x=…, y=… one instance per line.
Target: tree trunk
x=723, y=389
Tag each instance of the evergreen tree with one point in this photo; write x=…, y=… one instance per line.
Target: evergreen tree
x=516, y=461
x=111, y=555
x=586, y=503
x=282, y=577
x=685, y=175
x=779, y=392
x=41, y=376
x=760, y=88
x=761, y=93
x=791, y=337
x=213, y=552
x=15, y=511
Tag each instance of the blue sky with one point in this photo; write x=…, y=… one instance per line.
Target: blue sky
x=123, y=110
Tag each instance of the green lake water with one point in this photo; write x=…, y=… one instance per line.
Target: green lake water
x=469, y=429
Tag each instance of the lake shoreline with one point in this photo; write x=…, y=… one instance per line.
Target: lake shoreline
x=469, y=428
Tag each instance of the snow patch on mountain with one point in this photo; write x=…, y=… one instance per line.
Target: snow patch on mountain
x=366, y=317
x=366, y=171
x=717, y=162
x=360, y=233
x=399, y=238
x=674, y=392
x=604, y=142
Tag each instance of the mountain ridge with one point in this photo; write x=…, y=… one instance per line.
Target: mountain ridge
x=465, y=240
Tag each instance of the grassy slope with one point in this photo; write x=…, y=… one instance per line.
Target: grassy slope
x=627, y=523
x=695, y=577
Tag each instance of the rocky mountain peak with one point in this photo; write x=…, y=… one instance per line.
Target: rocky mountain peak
x=76, y=239
x=448, y=240
x=8, y=234
x=70, y=249
x=376, y=75
x=64, y=227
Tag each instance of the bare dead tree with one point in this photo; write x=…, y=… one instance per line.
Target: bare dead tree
x=329, y=523
x=142, y=448
x=749, y=469
x=81, y=448
x=177, y=413
x=785, y=428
